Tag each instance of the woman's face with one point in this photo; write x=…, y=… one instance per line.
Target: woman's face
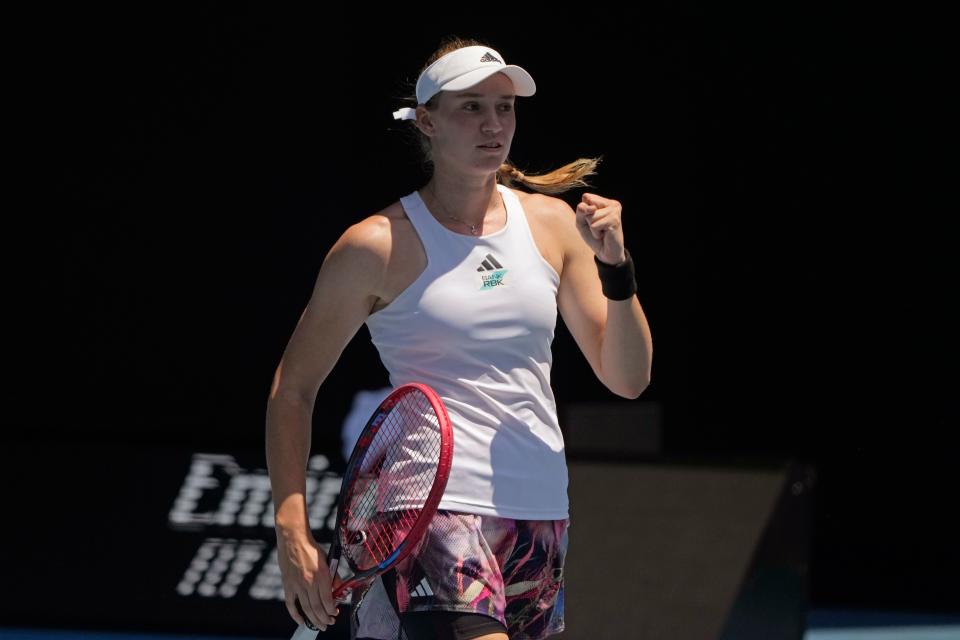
x=467, y=119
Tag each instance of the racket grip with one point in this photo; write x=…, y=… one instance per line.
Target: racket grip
x=333, y=558
x=305, y=630
x=305, y=633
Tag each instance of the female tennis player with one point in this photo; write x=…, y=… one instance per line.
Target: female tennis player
x=459, y=283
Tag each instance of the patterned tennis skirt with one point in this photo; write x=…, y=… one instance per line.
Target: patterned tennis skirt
x=511, y=570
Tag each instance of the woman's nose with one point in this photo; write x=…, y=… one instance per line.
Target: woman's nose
x=491, y=121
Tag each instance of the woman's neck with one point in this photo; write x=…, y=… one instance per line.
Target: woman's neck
x=471, y=204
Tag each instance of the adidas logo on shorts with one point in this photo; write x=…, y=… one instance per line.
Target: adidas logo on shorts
x=422, y=590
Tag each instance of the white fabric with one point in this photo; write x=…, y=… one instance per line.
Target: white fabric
x=477, y=326
x=365, y=402
x=464, y=68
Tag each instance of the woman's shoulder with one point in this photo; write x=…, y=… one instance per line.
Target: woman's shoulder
x=376, y=232
x=543, y=206
x=552, y=223
x=549, y=216
x=385, y=247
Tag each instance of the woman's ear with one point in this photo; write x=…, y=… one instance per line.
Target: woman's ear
x=424, y=121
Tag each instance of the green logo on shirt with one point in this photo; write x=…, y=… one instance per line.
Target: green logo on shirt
x=492, y=279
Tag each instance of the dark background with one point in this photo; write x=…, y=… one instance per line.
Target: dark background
x=778, y=174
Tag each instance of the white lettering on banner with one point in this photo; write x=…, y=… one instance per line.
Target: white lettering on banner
x=218, y=492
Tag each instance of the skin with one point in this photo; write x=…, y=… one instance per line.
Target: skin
x=377, y=258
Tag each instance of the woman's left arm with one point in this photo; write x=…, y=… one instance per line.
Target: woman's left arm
x=613, y=334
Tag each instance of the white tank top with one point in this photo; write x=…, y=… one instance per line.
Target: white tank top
x=477, y=326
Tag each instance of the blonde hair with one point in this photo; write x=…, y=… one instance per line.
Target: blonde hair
x=562, y=179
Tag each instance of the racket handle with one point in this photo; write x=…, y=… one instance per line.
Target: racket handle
x=308, y=631
x=341, y=598
x=303, y=633
x=333, y=557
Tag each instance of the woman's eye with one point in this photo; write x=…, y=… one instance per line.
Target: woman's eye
x=504, y=107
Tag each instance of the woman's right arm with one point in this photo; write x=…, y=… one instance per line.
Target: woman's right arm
x=346, y=288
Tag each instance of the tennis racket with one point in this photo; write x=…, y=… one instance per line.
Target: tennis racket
x=390, y=490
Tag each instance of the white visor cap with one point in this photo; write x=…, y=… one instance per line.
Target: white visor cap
x=464, y=68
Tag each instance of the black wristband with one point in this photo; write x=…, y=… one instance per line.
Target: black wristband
x=618, y=281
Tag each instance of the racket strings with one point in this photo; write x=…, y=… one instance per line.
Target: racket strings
x=396, y=475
